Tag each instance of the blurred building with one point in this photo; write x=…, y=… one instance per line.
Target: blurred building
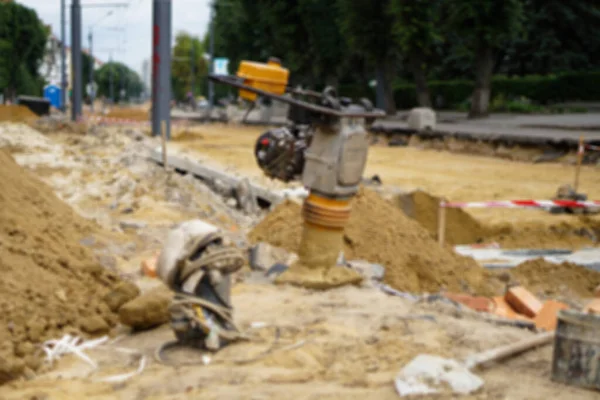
x=50, y=68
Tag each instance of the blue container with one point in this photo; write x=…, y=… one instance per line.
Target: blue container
x=52, y=93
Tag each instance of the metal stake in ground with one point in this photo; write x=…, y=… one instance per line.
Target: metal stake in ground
x=580, y=153
x=164, y=144
x=442, y=223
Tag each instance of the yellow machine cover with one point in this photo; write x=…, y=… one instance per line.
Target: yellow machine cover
x=270, y=77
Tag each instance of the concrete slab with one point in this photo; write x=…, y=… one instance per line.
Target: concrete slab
x=214, y=176
x=498, y=258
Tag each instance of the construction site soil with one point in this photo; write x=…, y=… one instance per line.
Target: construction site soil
x=549, y=279
x=16, y=113
x=50, y=283
x=347, y=343
x=456, y=177
x=379, y=232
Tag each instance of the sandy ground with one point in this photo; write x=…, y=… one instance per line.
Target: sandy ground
x=343, y=344
x=457, y=177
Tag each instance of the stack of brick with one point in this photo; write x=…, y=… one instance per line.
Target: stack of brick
x=519, y=304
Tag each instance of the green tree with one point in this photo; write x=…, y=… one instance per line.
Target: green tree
x=416, y=26
x=186, y=47
x=367, y=25
x=560, y=36
x=132, y=82
x=22, y=45
x=484, y=27
x=325, y=50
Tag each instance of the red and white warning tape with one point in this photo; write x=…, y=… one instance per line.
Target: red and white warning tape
x=524, y=204
x=592, y=147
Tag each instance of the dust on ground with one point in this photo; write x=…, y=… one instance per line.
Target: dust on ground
x=51, y=283
x=551, y=280
x=379, y=232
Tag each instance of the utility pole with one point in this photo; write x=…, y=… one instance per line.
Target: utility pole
x=63, y=57
x=92, y=91
x=76, y=59
x=110, y=80
x=211, y=88
x=161, y=66
x=122, y=84
x=192, y=67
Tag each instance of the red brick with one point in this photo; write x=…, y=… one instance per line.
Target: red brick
x=476, y=303
x=547, y=317
x=148, y=266
x=503, y=309
x=593, y=307
x=523, y=301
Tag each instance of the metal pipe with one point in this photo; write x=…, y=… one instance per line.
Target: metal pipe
x=92, y=91
x=192, y=75
x=161, y=66
x=110, y=80
x=211, y=87
x=63, y=57
x=76, y=60
x=122, y=86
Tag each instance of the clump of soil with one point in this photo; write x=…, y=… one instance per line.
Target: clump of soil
x=551, y=279
x=50, y=284
x=148, y=310
x=380, y=232
x=461, y=228
x=16, y=113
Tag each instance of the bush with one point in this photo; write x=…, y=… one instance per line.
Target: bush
x=571, y=86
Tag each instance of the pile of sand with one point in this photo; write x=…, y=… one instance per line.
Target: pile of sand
x=539, y=235
x=16, y=113
x=50, y=284
x=461, y=228
x=551, y=279
x=379, y=232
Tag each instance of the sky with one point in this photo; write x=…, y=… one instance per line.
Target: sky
x=133, y=38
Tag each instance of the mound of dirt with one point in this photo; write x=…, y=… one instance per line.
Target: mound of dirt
x=379, y=232
x=16, y=113
x=551, y=279
x=578, y=234
x=461, y=228
x=50, y=284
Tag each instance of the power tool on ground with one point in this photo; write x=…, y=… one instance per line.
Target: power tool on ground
x=324, y=145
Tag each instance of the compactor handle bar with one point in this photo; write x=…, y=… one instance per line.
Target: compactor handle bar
x=239, y=83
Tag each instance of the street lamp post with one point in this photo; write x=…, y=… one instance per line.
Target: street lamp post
x=76, y=59
x=63, y=57
x=211, y=87
x=161, y=67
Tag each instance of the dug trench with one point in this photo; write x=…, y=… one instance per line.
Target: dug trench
x=344, y=343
